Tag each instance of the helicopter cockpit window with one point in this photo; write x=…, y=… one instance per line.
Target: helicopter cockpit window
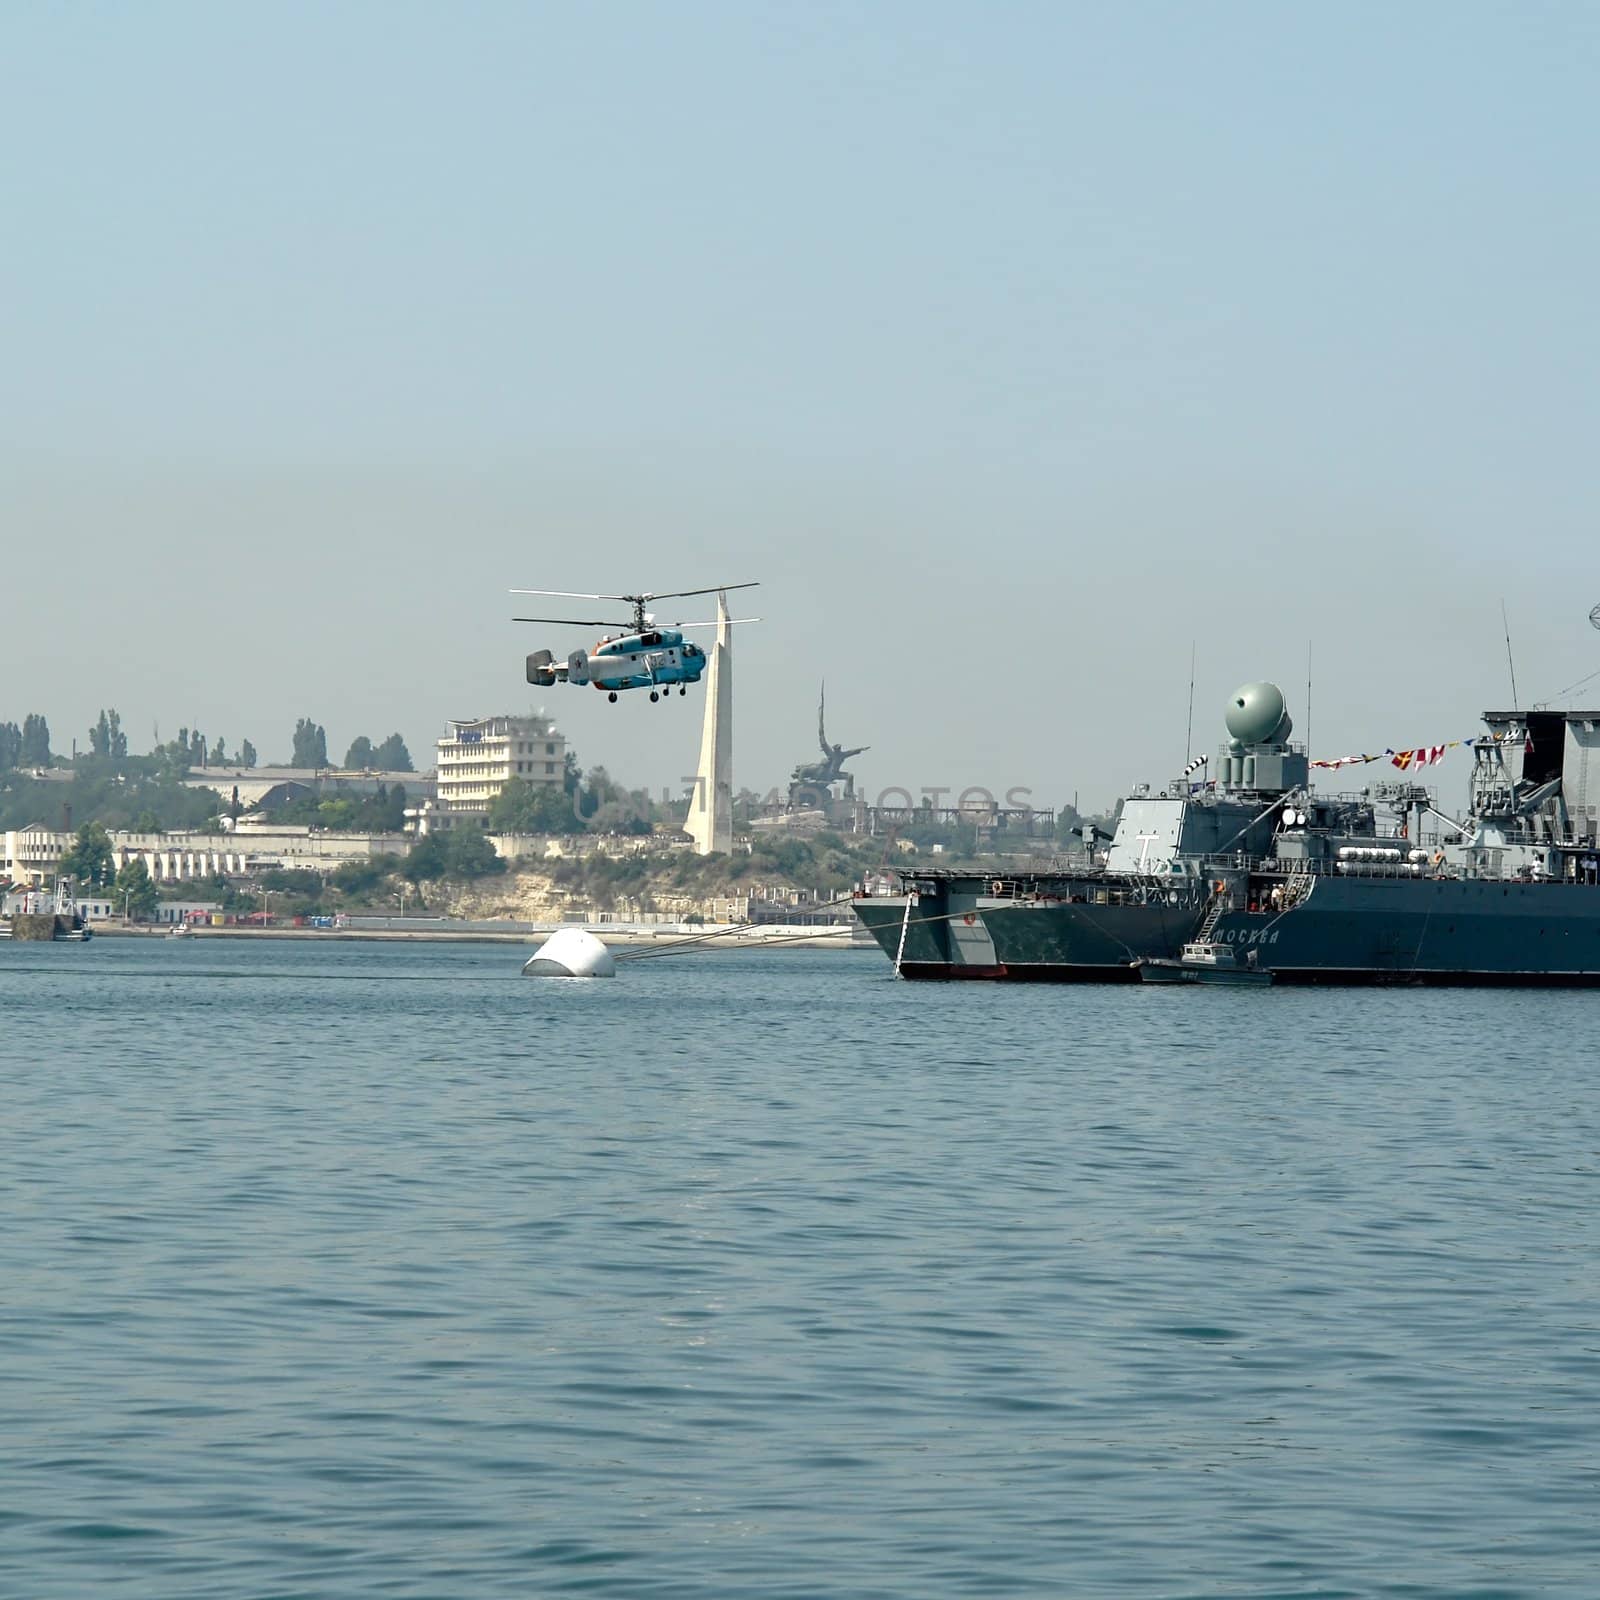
x=650, y=638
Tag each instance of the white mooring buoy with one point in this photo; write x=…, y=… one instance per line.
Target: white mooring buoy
x=571, y=953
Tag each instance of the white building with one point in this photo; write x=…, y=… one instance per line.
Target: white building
x=246, y=851
x=33, y=855
x=478, y=759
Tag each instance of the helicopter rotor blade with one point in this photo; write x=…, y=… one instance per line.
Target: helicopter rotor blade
x=684, y=594
x=717, y=624
x=575, y=622
x=570, y=594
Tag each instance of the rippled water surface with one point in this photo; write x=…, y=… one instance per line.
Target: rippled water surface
x=371, y=1270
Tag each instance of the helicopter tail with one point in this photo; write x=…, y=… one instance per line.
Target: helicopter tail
x=542, y=671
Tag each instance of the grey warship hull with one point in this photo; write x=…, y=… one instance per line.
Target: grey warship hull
x=1345, y=931
x=1429, y=932
x=1038, y=929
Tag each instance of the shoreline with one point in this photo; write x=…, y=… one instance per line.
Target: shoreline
x=777, y=935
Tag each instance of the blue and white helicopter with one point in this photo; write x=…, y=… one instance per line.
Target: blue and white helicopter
x=641, y=655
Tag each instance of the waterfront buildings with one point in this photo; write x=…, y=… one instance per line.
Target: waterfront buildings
x=33, y=855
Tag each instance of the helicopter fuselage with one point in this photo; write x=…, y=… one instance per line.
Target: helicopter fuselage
x=654, y=659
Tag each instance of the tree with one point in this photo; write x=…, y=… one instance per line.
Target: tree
x=219, y=753
x=35, y=750
x=361, y=875
x=247, y=755
x=310, y=745
x=468, y=854
x=392, y=755
x=135, y=890
x=10, y=745
x=523, y=807
x=1068, y=822
x=106, y=737
x=88, y=860
x=619, y=816
x=197, y=749
x=392, y=806
x=359, y=756
x=425, y=860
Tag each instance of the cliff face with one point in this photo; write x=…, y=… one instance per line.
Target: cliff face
x=711, y=889
x=520, y=896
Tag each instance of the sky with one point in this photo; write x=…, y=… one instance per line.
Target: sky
x=1019, y=350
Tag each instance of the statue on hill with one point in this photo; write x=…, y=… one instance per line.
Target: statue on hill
x=812, y=783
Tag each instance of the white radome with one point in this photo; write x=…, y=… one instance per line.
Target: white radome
x=571, y=953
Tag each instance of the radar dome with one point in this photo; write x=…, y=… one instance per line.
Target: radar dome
x=1256, y=715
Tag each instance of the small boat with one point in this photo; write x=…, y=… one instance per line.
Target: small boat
x=1204, y=962
x=178, y=930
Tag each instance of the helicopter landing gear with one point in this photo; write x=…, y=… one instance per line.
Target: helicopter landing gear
x=612, y=697
x=654, y=697
x=682, y=690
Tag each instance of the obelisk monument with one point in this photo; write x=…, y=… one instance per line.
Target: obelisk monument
x=711, y=805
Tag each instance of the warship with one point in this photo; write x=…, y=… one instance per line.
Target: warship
x=1377, y=887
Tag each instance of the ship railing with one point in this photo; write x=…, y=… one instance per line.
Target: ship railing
x=1315, y=867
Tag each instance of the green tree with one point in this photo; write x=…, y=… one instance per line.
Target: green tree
x=1068, y=822
x=425, y=860
x=361, y=875
x=359, y=756
x=88, y=860
x=106, y=737
x=35, y=751
x=523, y=807
x=219, y=753
x=10, y=746
x=135, y=891
x=310, y=745
x=391, y=808
x=468, y=854
x=247, y=755
x=392, y=755
x=619, y=816
x=197, y=749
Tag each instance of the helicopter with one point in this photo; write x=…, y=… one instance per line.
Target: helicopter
x=640, y=655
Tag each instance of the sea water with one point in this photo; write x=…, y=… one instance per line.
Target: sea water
x=356, y=1269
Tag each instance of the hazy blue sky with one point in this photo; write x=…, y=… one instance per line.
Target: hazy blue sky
x=1012, y=346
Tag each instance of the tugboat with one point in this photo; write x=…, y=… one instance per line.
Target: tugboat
x=1379, y=887
x=1205, y=962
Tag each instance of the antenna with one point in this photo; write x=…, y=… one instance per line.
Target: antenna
x=1509, y=662
x=1308, y=696
x=1188, y=732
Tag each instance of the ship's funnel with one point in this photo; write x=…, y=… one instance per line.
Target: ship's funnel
x=1257, y=715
